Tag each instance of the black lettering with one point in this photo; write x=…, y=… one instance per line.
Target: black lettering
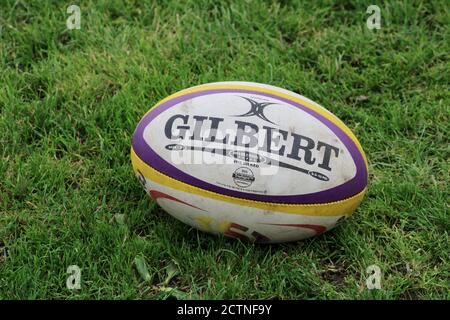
x=267, y=147
x=214, y=126
x=297, y=145
x=241, y=133
x=327, y=154
x=169, y=126
x=225, y=140
x=198, y=127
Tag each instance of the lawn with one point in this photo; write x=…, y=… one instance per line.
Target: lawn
x=71, y=99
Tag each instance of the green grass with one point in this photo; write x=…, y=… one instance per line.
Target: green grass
x=70, y=100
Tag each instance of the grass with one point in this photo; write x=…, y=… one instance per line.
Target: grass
x=70, y=100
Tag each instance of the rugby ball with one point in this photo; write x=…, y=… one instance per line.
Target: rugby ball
x=250, y=161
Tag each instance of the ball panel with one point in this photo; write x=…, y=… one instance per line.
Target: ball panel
x=234, y=220
x=348, y=189
x=264, y=88
x=337, y=208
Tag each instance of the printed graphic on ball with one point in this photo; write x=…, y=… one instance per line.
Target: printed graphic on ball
x=251, y=143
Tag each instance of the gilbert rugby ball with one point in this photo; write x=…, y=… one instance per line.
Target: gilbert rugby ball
x=250, y=161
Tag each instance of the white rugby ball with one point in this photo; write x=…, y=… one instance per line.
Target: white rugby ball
x=250, y=161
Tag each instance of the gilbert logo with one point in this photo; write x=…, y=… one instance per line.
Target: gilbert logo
x=257, y=109
x=201, y=138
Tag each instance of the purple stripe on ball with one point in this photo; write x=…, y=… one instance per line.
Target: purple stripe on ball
x=346, y=190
